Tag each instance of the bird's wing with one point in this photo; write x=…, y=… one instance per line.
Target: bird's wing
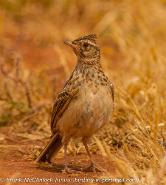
x=62, y=102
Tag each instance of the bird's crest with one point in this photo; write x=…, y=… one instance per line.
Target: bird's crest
x=91, y=37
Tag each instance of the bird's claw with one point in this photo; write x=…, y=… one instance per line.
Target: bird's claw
x=92, y=168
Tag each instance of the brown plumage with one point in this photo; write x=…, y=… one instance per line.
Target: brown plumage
x=84, y=105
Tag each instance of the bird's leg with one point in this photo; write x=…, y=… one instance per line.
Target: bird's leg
x=92, y=165
x=67, y=169
x=87, y=150
x=65, y=156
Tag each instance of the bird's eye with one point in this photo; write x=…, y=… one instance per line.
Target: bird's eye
x=85, y=45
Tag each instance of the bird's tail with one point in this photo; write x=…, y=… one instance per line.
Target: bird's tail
x=51, y=149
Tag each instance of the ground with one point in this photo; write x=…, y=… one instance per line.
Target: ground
x=16, y=162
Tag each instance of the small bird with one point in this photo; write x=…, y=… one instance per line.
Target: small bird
x=84, y=105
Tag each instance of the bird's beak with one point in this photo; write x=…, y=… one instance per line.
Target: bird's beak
x=73, y=46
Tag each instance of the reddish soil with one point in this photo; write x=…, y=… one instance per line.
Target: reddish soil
x=14, y=164
x=17, y=160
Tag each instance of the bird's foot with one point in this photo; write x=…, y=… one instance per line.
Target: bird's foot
x=71, y=170
x=92, y=168
x=68, y=170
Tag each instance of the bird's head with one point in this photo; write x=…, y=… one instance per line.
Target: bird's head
x=85, y=48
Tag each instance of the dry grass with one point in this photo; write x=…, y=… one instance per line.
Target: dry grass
x=132, y=38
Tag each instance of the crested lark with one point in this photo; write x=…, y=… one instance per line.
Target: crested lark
x=84, y=105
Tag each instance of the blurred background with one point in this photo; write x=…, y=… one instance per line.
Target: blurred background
x=35, y=64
